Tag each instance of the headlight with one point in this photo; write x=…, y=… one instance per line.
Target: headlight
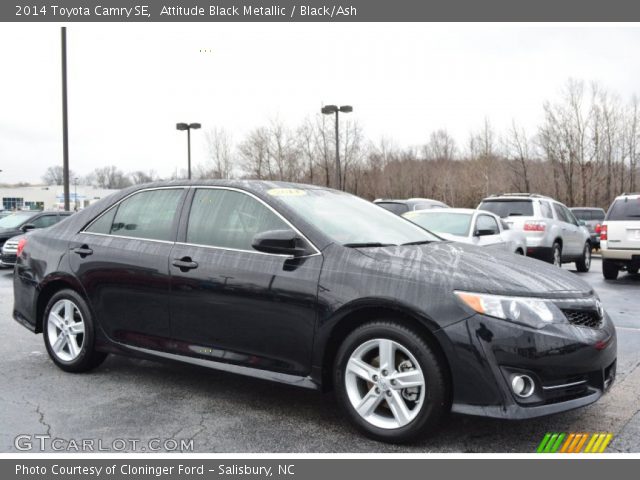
x=532, y=312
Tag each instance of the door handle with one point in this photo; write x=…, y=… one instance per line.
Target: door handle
x=184, y=264
x=83, y=251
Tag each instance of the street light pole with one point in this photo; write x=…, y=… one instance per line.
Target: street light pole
x=65, y=126
x=188, y=127
x=328, y=110
x=75, y=192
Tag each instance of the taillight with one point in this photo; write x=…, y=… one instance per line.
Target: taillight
x=603, y=232
x=534, y=226
x=598, y=227
x=21, y=244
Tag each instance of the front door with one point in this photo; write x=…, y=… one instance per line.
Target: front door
x=233, y=304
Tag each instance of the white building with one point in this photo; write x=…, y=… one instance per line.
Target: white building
x=43, y=197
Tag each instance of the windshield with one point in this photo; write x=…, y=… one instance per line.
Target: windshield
x=508, y=208
x=350, y=220
x=16, y=219
x=441, y=222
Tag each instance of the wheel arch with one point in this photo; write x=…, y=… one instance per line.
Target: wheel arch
x=49, y=288
x=358, y=315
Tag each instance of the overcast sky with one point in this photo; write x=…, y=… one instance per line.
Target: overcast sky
x=130, y=83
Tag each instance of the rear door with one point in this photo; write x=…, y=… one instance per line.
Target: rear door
x=122, y=261
x=231, y=303
x=623, y=223
x=572, y=243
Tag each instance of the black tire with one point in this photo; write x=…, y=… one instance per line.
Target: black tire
x=556, y=254
x=584, y=264
x=87, y=358
x=609, y=270
x=519, y=252
x=632, y=271
x=436, y=396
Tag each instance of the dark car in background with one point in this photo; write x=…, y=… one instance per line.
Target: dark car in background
x=264, y=279
x=13, y=227
x=592, y=218
x=403, y=206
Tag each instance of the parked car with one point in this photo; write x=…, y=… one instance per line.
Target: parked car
x=552, y=231
x=264, y=279
x=620, y=236
x=475, y=227
x=22, y=221
x=9, y=250
x=592, y=218
x=403, y=206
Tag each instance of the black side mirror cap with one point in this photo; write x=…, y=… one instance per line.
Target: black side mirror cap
x=27, y=227
x=280, y=242
x=483, y=233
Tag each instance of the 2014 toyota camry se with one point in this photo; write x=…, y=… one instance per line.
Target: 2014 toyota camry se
x=318, y=288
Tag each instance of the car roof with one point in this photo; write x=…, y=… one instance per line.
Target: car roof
x=629, y=195
x=455, y=211
x=249, y=185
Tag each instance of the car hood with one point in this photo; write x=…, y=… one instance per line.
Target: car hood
x=458, y=266
x=9, y=232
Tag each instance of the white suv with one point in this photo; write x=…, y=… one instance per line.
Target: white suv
x=620, y=236
x=553, y=233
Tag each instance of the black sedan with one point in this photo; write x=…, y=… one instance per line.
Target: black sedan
x=22, y=221
x=316, y=288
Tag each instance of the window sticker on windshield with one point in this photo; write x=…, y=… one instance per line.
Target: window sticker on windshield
x=286, y=192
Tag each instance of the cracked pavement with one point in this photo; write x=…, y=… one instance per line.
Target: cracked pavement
x=138, y=399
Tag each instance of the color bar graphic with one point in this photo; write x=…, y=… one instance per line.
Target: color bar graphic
x=557, y=442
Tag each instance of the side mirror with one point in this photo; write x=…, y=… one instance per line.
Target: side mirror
x=582, y=223
x=483, y=233
x=27, y=227
x=281, y=242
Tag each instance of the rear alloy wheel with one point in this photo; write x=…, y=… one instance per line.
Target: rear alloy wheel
x=390, y=382
x=609, y=270
x=584, y=264
x=69, y=333
x=556, y=254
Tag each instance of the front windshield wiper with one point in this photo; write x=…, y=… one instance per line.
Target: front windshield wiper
x=419, y=242
x=369, y=245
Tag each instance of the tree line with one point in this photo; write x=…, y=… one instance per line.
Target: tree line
x=584, y=153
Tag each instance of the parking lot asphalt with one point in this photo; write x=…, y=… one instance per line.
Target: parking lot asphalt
x=130, y=400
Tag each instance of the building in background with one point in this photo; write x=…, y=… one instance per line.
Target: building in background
x=43, y=197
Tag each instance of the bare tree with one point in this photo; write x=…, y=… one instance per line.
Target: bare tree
x=519, y=150
x=111, y=178
x=54, y=175
x=220, y=154
x=139, y=177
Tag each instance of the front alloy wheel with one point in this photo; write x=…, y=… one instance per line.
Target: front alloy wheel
x=584, y=264
x=391, y=382
x=385, y=383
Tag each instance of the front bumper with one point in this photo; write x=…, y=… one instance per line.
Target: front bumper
x=571, y=366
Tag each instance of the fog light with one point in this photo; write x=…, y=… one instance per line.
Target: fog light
x=522, y=385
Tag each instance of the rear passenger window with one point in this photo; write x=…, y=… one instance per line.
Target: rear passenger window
x=546, y=210
x=229, y=219
x=560, y=213
x=147, y=215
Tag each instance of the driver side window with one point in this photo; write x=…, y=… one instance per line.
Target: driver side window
x=229, y=219
x=485, y=222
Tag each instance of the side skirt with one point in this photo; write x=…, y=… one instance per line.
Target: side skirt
x=295, y=380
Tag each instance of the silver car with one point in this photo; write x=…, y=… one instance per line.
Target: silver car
x=466, y=225
x=402, y=206
x=553, y=233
